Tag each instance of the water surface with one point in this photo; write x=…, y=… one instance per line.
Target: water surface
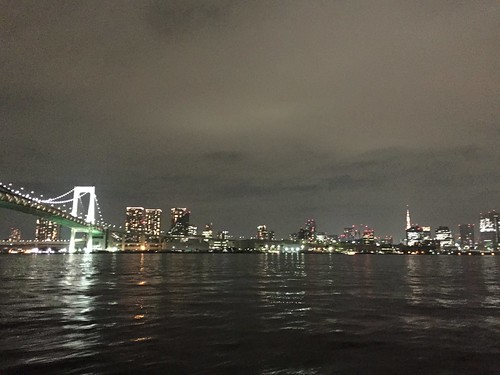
x=249, y=314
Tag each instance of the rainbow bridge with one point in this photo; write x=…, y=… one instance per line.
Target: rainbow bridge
x=19, y=201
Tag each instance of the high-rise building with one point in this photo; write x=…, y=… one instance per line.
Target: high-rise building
x=15, y=235
x=426, y=233
x=180, y=221
x=47, y=230
x=135, y=223
x=489, y=229
x=444, y=237
x=466, y=232
x=141, y=222
x=262, y=233
x=368, y=236
x=414, y=235
x=311, y=229
x=152, y=221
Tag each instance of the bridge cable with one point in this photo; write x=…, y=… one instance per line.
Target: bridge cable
x=101, y=221
x=50, y=200
x=59, y=202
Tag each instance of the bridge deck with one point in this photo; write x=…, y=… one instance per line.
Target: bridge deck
x=16, y=202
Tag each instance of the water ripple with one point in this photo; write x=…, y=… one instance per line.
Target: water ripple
x=253, y=314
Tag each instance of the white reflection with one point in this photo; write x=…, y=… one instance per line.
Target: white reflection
x=77, y=302
x=281, y=289
x=413, y=280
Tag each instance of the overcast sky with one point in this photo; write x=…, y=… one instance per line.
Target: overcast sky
x=256, y=112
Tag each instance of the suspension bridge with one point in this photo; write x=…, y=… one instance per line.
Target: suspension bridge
x=81, y=220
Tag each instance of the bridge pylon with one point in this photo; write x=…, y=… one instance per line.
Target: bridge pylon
x=78, y=191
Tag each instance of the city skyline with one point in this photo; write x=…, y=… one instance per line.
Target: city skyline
x=254, y=113
x=141, y=223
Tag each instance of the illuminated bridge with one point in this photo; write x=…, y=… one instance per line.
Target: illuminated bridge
x=20, y=201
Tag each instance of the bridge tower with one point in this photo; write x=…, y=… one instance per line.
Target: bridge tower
x=90, y=218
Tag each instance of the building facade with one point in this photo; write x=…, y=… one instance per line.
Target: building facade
x=134, y=224
x=46, y=230
x=152, y=218
x=444, y=237
x=179, y=224
x=489, y=230
x=262, y=232
x=466, y=233
x=414, y=236
x=142, y=224
x=208, y=231
x=15, y=235
x=368, y=236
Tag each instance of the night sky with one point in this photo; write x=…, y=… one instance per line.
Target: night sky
x=256, y=112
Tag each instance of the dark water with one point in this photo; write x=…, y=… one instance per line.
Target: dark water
x=249, y=314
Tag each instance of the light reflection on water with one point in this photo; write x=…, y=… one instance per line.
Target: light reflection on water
x=257, y=314
x=77, y=304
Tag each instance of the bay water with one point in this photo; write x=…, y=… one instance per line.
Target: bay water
x=249, y=314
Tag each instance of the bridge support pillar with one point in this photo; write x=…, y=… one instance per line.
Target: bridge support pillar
x=90, y=218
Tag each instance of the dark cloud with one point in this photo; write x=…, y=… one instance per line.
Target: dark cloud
x=256, y=112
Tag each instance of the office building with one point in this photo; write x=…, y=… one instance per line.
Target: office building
x=426, y=234
x=444, y=237
x=414, y=236
x=489, y=230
